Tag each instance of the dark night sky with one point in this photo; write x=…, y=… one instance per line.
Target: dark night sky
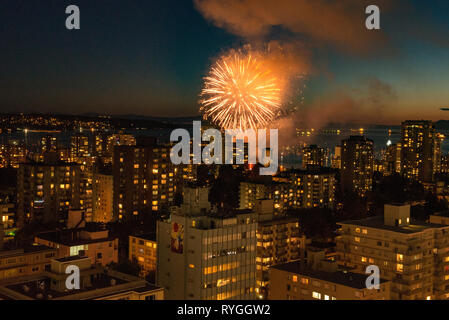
x=145, y=57
x=148, y=57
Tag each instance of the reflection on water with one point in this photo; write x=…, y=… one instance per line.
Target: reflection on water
x=328, y=138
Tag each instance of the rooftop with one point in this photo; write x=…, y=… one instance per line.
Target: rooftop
x=71, y=258
x=103, y=284
x=72, y=237
x=25, y=250
x=348, y=279
x=147, y=236
x=377, y=222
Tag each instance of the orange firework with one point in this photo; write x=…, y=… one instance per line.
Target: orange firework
x=240, y=92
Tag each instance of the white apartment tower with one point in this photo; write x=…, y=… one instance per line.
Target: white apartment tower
x=207, y=256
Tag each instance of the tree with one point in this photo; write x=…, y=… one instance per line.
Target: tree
x=128, y=267
x=316, y=223
x=224, y=193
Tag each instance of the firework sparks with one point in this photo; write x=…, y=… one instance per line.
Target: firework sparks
x=240, y=92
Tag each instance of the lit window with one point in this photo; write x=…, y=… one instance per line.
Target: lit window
x=316, y=295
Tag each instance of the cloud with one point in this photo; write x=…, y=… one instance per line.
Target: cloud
x=369, y=103
x=339, y=23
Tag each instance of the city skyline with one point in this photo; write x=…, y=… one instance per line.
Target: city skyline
x=210, y=150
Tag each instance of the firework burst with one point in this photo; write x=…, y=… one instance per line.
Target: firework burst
x=241, y=92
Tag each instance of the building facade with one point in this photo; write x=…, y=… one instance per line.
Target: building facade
x=420, y=153
x=102, y=197
x=97, y=245
x=143, y=249
x=413, y=255
x=144, y=180
x=207, y=257
x=47, y=190
x=96, y=283
x=25, y=262
x=296, y=281
x=357, y=161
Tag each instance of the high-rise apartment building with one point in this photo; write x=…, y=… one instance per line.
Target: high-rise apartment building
x=279, y=240
x=420, y=154
x=336, y=158
x=80, y=147
x=102, y=197
x=11, y=155
x=144, y=179
x=357, y=162
x=207, y=256
x=49, y=143
x=392, y=161
x=313, y=155
x=47, y=190
x=315, y=186
x=250, y=192
x=104, y=144
x=413, y=255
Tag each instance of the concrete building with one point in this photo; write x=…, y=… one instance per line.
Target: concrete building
x=279, y=240
x=392, y=161
x=336, y=158
x=315, y=186
x=24, y=262
x=102, y=194
x=96, y=283
x=95, y=244
x=7, y=219
x=80, y=147
x=313, y=156
x=320, y=279
x=206, y=256
x=12, y=154
x=144, y=179
x=413, y=255
x=357, y=160
x=47, y=190
x=420, y=154
x=49, y=143
x=195, y=199
x=143, y=248
x=250, y=192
